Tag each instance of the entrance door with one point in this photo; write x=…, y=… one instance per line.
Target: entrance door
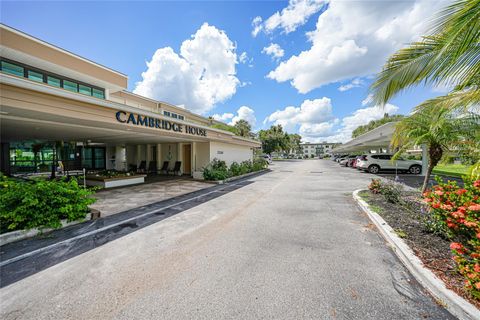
x=187, y=158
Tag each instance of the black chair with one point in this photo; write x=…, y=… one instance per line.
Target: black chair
x=132, y=168
x=152, y=167
x=165, y=167
x=176, y=168
x=142, y=167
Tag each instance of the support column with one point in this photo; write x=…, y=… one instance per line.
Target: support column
x=159, y=156
x=148, y=156
x=120, y=158
x=138, y=155
x=425, y=161
x=180, y=156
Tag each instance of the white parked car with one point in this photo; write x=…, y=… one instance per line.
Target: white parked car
x=373, y=163
x=268, y=158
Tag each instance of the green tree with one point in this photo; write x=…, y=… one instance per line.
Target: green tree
x=294, y=141
x=375, y=124
x=225, y=127
x=243, y=128
x=274, y=139
x=439, y=129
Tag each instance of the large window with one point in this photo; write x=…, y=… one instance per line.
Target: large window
x=21, y=70
x=11, y=68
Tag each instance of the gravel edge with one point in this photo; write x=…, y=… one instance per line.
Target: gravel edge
x=458, y=306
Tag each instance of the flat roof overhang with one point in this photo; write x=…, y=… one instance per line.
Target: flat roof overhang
x=37, y=114
x=377, y=138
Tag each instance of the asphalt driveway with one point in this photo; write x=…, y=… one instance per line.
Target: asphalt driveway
x=291, y=245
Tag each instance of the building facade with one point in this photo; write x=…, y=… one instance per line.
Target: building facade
x=53, y=101
x=310, y=150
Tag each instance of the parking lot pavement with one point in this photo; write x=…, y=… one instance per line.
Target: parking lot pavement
x=290, y=245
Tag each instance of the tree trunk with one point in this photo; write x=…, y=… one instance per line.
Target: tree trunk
x=435, y=153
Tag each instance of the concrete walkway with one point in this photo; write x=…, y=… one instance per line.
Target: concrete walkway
x=291, y=245
x=111, y=201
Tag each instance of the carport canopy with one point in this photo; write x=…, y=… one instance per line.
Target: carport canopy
x=378, y=138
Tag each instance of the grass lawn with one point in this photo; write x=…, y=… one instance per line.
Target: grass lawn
x=454, y=170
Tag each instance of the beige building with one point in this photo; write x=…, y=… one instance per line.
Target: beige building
x=52, y=97
x=317, y=149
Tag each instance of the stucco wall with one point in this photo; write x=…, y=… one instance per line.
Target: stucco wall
x=229, y=152
x=171, y=148
x=202, y=155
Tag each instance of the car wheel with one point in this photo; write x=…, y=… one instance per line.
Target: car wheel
x=415, y=169
x=373, y=168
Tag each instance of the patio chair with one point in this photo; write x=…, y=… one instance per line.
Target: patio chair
x=132, y=168
x=165, y=167
x=152, y=167
x=142, y=167
x=176, y=168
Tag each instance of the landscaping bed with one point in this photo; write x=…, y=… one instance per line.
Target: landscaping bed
x=410, y=218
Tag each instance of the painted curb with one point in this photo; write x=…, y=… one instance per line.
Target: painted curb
x=458, y=306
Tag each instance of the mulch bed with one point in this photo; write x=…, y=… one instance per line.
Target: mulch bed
x=434, y=250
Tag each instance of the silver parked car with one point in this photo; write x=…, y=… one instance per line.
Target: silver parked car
x=373, y=163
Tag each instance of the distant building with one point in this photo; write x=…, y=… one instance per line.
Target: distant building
x=317, y=149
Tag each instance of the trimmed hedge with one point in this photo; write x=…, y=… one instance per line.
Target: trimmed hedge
x=218, y=169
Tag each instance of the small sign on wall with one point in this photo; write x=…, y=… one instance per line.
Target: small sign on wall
x=219, y=152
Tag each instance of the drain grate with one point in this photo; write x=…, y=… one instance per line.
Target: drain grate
x=285, y=171
x=316, y=171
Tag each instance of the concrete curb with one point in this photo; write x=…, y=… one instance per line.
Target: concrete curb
x=240, y=177
x=458, y=306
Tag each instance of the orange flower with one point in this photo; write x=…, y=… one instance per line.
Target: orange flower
x=474, y=207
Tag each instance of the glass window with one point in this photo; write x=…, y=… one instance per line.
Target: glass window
x=84, y=89
x=53, y=81
x=98, y=93
x=35, y=76
x=181, y=117
x=166, y=113
x=69, y=85
x=11, y=68
x=174, y=115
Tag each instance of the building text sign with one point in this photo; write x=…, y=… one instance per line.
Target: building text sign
x=139, y=120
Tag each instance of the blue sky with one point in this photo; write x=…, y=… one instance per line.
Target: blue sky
x=342, y=41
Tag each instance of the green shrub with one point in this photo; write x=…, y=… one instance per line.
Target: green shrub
x=216, y=170
x=259, y=164
x=235, y=169
x=391, y=191
x=41, y=203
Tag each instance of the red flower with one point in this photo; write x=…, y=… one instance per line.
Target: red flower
x=439, y=193
x=477, y=285
x=474, y=207
x=436, y=205
x=476, y=267
x=456, y=246
x=461, y=191
x=476, y=184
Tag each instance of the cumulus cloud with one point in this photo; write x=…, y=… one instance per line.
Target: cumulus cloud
x=355, y=83
x=243, y=113
x=353, y=39
x=310, y=113
x=290, y=18
x=314, y=120
x=357, y=118
x=202, y=74
x=274, y=50
x=243, y=58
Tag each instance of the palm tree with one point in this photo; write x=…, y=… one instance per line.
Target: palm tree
x=243, y=128
x=449, y=56
x=440, y=129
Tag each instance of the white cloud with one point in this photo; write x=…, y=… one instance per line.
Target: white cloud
x=223, y=117
x=315, y=122
x=202, y=74
x=274, y=50
x=357, y=118
x=353, y=39
x=309, y=113
x=290, y=18
x=243, y=113
x=243, y=58
x=355, y=83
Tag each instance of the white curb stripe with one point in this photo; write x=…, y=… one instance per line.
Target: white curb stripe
x=458, y=306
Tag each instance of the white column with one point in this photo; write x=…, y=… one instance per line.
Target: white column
x=138, y=155
x=194, y=157
x=425, y=161
x=120, y=158
x=148, y=153
x=159, y=156
x=180, y=156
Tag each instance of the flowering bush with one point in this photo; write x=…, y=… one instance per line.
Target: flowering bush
x=457, y=211
x=390, y=191
x=375, y=186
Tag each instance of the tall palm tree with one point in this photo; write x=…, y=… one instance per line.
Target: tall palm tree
x=243, y=128
x=449, y=56
x=440, y=129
